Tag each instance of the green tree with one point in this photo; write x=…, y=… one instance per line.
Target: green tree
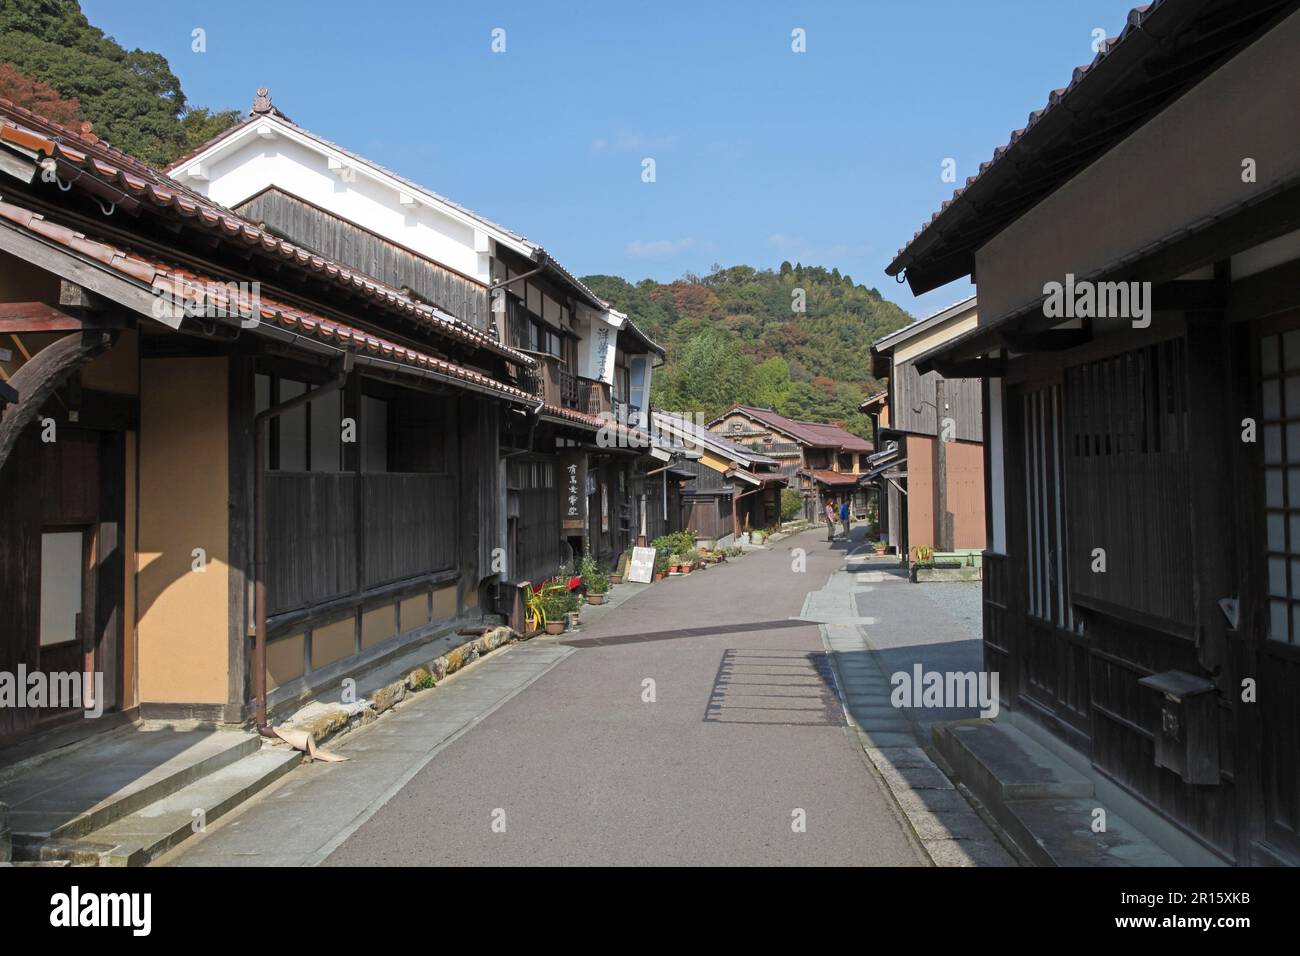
x=814, y=364
x=132, y=97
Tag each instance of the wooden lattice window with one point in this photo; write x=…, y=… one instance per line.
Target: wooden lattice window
x=1280, y=428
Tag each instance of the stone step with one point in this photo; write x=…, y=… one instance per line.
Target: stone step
x=68, y=798
x=142, y=836
x=1055, y=832
x=999, y=763
x=1047, y=808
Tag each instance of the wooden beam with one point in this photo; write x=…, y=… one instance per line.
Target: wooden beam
x=37, y=380
x=1265, y=293
x=1185, y=294
x=24, y=317
x=970, y=368
x=1053, y=340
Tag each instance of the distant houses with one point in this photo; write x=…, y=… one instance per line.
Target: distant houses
x=731, y=489
x=824, y=463
x=270, y=418
x=1136, y=250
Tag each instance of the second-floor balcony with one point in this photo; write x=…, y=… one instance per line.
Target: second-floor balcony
x=554, y=383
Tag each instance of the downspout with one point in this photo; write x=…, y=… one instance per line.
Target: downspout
x=260, y=421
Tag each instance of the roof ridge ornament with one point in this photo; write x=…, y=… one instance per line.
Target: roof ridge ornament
x=262, y=101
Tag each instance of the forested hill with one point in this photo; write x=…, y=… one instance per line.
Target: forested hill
x=736, y=335
x=54, y=61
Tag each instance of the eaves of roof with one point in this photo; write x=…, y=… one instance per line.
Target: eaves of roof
x=113, y=176
x=184, y=288
x=1164, y=48
x=888, y=343
x=499, y=232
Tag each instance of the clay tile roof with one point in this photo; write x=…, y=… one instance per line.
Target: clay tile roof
x=816, y=434
x=182, y=284
x=1067, y=103
x=107, y=167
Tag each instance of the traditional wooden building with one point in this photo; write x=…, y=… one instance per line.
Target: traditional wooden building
x=233, y=470
x=1136, y=248
x=825, y=463
x=732, y=489
x=929, y=471
x=594, y=366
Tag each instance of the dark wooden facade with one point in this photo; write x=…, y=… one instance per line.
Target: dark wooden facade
x=352, y=245
x=1141, y=506
x=1099, y=461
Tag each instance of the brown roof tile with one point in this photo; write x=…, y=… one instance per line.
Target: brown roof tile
x=134, y=180
x=188, y=286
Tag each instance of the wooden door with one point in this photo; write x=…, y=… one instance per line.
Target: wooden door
x=1054, y=671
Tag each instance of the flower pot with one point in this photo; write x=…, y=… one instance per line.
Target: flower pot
x=659, y=575
x=595, y=599
x=554, y=627
x=616, y=579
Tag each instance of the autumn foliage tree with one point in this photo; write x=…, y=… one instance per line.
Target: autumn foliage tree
x=132, y=97
x=37, y=96
x=735, y=335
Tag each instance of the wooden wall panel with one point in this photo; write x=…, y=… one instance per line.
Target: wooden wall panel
x=408, y=526
x=311, y=524
x=1127, y=474
x=353, y=246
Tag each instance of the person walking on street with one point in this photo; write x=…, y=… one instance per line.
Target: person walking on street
x=844, y=516
x=830, y=521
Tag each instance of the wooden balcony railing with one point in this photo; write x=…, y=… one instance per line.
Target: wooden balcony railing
x=555, y=384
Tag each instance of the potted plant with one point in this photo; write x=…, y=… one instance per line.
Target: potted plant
x=674, y=564
x=594, y=579
x=556, y=604
x=661, y=565
x=880, y=547
x=539, y=603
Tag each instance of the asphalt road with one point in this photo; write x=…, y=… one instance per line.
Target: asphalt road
x=743, y=740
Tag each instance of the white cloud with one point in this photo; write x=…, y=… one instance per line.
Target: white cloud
x=655, y=248
x=815, y=253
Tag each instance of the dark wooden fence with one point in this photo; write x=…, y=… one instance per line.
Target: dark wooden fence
x=535, y=513
x=409, y=526
x=318, y=550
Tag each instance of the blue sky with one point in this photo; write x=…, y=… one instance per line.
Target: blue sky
x=830, y=157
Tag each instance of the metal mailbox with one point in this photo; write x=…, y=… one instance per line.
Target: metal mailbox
x=1187, y=738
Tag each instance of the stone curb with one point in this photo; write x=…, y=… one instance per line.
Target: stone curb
x=325, y=721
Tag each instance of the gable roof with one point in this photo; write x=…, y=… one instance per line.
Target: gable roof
x=1164, y=49
x=119, y=180
x=264, y=113
x=683, y=427
x=815, y=434
x=887, y=343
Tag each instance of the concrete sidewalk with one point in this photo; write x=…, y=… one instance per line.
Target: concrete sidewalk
x=304, y=818
x=867, y=601
x=1044, y=799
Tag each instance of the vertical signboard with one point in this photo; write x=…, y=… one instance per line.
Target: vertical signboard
x=573, y=483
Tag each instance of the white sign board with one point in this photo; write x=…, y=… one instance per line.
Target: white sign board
x=642, y=568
